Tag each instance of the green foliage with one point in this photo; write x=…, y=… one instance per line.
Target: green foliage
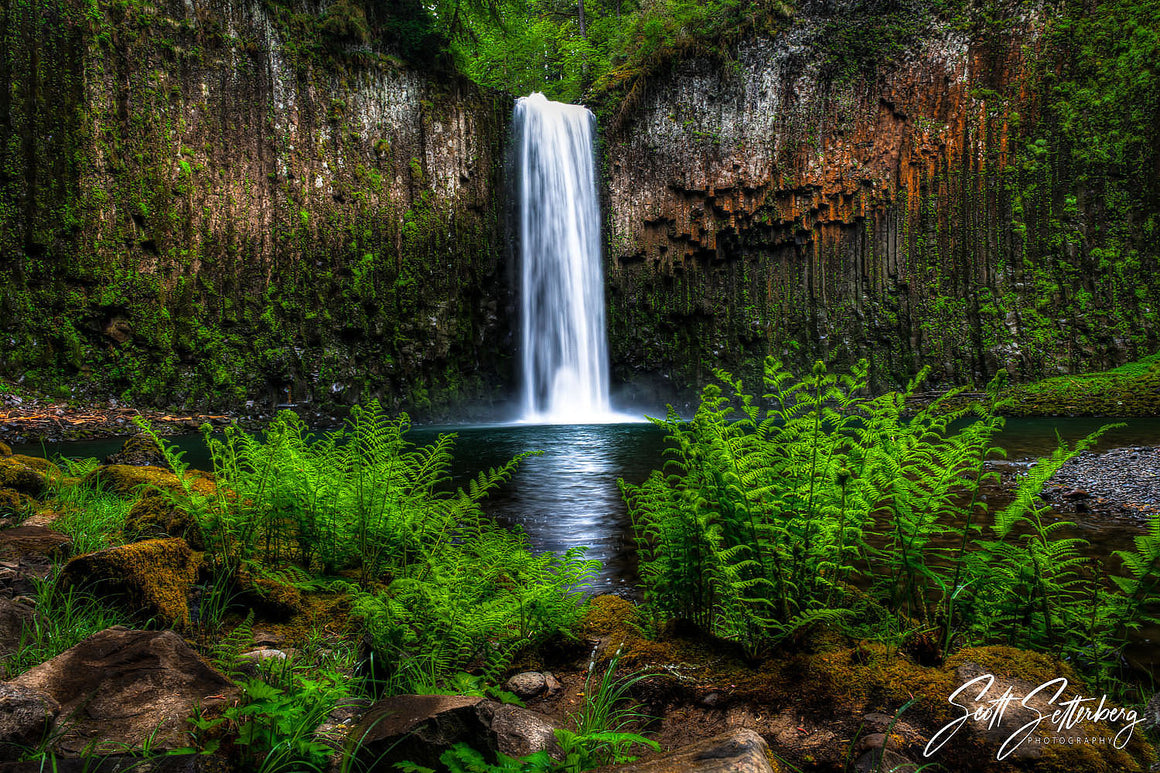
x=64, y=617
x=538, y=45
x=475, y=601
x=767, y=522
x=93, y=517
x=1132, y=389
x=601, y=729
x=272, y=727
x=758, y=528
x=453, y=590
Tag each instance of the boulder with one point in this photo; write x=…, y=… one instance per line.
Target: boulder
x=527, y=685
x=14, y=618
x=24, y=541
x=27, y=716
x=14, y=504
x=154, y=576
x=738, y=751
x=140, y=451
x=419, y=728
x=884, y=761
x=518, y=732
x=126, y=479
x=5, y=449
x=23, y=474
x=272, y=599
x=17, y=577
x=120, y=688
x=154, y=515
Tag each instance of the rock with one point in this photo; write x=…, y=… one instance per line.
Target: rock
x=140, y=451
x=417, y=728
x=22, y=541
x=527, y=685
x=125, y=479
x=251, y=662
x=553, y=684
x=14, y=618
x=738, y=751
x=13, y=503
x=154, y=576
x=518, y=732
x=992, y=733
x=26, y=719
x=16, y=577
x=22, y=474
x=154, y=515
x=121, y=688
x=273, y=599
x=183, y=763
x=878, y=761
x=5, y=449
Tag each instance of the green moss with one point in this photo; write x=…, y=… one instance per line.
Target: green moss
x=154, y=577
x=1129, y=390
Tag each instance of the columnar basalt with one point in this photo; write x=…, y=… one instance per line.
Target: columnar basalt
x=204, y=202
x=922, y=210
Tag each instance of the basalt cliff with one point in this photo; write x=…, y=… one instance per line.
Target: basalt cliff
x=208, y=202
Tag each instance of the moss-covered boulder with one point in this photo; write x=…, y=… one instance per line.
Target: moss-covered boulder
x=14, y=504
x=154, y=515
x=139, y=451
x=5, y=449
x=127, y=479
x=272, y=599
x=24, y=474
x=154, y=577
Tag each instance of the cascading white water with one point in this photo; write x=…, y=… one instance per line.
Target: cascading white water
x=565, y=353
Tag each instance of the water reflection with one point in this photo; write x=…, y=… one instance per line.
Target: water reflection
x=568, y=496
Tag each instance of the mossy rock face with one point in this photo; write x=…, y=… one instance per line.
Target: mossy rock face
x=126, y=479
x=154, y=576
x=18, y=474
x=153, y=515
x=5, y=449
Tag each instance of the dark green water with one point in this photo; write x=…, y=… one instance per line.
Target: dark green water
x=568, y=496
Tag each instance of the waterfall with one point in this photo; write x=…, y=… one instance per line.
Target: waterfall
x=564, y=348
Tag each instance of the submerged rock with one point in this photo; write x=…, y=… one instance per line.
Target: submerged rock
x=154, y=576
x=122, y=688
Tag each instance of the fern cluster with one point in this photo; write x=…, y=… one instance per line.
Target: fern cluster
x=819, y=503
x=439, y=588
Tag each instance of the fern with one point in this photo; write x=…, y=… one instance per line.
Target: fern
x=225, y=653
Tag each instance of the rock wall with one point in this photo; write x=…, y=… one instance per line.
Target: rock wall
x=208, y=201
x=922, y=199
